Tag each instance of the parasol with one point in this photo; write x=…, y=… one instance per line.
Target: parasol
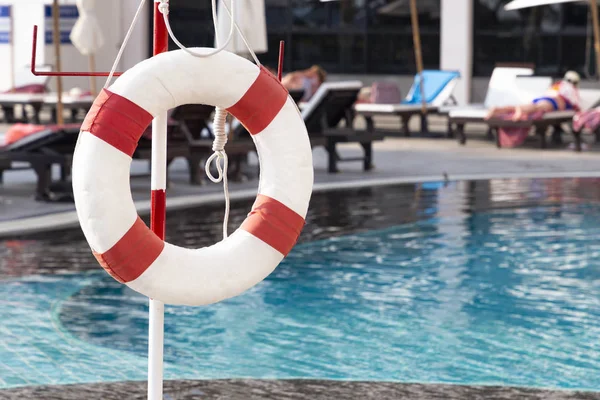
x=87, y=36
x=250, y=18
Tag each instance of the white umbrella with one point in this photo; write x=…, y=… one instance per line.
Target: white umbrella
x=518, y=4
x=250, y=17
x=87, y=36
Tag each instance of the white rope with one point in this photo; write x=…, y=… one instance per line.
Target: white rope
x=129, y=32
x=218, y=155
x=220, y=114
x=164, y=9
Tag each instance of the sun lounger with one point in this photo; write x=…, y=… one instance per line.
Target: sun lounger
x=330, y=105
x=41, y=150
x=439, y=86
x=36, y=101
x=502, y=90
x=506, y=88
x=589, y=97
x=297, y=95
x=8, y=102
x=54, y=145
x=323, y=114
x=72, y=103
x=26, y=93
x=587, y=119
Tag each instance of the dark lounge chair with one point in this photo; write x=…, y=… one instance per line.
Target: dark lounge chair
x=42, y=150
x=55, y=146
x=297, y=95
x=330, y=105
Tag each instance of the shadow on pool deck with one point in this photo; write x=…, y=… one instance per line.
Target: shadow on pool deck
x=289, y=389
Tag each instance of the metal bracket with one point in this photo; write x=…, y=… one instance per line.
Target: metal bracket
x=43, y=73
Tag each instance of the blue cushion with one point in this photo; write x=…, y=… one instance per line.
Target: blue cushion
x=435, y=82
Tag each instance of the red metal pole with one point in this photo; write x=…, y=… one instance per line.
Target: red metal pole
x=161, y=35
x=158, y=208
x=280, y=66
x=158, y=196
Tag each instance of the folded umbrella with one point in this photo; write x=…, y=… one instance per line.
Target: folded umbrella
x=87, y=36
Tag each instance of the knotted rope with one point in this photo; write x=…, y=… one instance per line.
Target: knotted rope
x=220, y=118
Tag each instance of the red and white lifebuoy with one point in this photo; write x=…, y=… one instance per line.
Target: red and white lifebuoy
x=120, y=240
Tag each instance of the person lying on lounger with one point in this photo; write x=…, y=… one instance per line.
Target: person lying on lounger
x=308, y=80
x=562, y=96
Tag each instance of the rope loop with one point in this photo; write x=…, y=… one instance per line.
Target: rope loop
x=219, y=156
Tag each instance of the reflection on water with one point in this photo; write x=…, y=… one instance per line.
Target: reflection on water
x=331, y=214
x=473, y=282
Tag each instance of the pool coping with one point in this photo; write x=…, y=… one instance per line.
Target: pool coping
x=68, y=219
x=283, y=389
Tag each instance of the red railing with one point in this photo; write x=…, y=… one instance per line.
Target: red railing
x=45, y=73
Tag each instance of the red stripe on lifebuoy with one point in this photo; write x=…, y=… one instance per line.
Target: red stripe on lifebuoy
x=132, y=254
x=117, y=121
x=274, y=223
x=261, y=103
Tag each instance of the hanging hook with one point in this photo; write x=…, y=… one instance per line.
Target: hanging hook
x=45, y=73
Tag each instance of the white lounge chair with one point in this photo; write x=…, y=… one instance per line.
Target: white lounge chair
x=28, y=93
x=439, y=86
x=500, y=91
x=535, y=88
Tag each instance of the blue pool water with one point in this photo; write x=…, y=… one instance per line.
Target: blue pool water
x=507, y=297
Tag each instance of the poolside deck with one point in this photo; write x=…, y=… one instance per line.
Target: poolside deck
x=396, y=161
x=290, y=390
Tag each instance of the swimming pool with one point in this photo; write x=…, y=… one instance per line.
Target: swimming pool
x=471, y=283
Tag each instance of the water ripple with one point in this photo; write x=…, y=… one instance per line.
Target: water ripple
x=508, y=296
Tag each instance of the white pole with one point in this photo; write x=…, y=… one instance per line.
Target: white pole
x=155, y=350
x=157, y=308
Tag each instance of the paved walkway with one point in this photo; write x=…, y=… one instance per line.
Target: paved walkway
x=396, y=160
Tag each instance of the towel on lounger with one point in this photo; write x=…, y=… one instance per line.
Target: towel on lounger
x=513, y=136
x=588, y=119
x=19, y=131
